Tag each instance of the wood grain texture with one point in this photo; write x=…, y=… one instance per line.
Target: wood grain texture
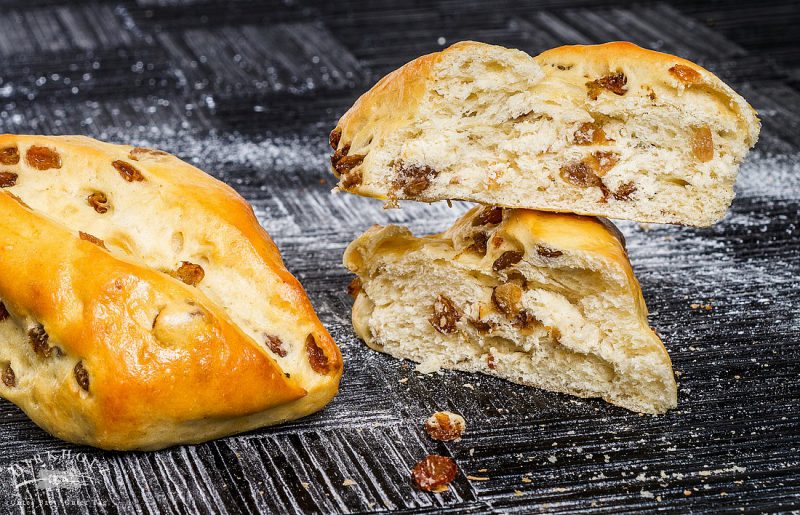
x=248, y=90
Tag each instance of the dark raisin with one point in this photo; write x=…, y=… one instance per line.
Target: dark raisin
x=39, y=341
x=490, y=362
x=445, y=426
x=316, y=356
x=434, y=473
x=479, y=241
x=525, y=320
x=548, y=252
x=482, y=326
x=488, y=216
x=127, y=171
x=625, y=191
x=189, y=273
x=685, y=74
x=9, y=156
x=3, y=312
x=8, y=179
x=581, y=174
x=81, y=375
x=335, y=136
x=506, y=299
x=98, y=201
x=9, y=378
x=354, y=288
x=412, y=180
x=445, y=315
x=275, y=345
x=351, y=179
x=506, y=259
x=43, y=158
x=92, y=239
x=614, y=83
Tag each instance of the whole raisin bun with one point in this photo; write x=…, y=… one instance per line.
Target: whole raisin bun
x=611, y=130
x=142, y=303
x=546, y=300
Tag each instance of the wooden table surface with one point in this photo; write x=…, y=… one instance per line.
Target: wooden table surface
x=248, y=90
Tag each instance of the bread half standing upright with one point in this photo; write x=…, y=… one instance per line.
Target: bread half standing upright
x=612, y=130
x=142, y=303
x=542, y=299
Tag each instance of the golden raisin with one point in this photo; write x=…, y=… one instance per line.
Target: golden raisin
x=434, y=473
x=189, y=273
x=127, y=171
x=445, y=426
x=8, y=179
x=81, y=375
x=614, y=83
x=316, y=356
x=98, y=201
x=354, y=288
x=685, y=74
x=275, y=345
x=43, y=158
x=506, y=259
x=602, y=162
x=488, y=216
x=506, y=299
x=702, y=144
x=9, y=156
x=335, y=136
x=548, y=252
x=92, y=239
x=9, y=378
x=590, y=133
x=445, y=315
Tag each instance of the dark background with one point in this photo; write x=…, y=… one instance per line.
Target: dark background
x=249, y=90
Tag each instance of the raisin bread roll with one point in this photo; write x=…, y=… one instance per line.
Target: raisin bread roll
x=542, y=299
x=612, y=130
x=142, y=304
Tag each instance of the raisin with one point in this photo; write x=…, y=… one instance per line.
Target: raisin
x=488, y=216
x=590, y=133
x=525, y=320
x=602, y=162
x=345, y=164
x=275, y=345
x=548, y=252
x=335, y=136
x=81, y=375
x=354, y=288
x=316, y=357
x=445, y=315
x=413, y=180
x=614, y=83
x=434, y=472
x=490, y=362
x=39, y=341
x=506, y=259
x=92, y=239
x=445, y=426
x=3, y=312
x=43, y=158
x=9, y=378
x=127, y=171
x=479, y=241
x=625, y=191
x=685, y=74
x=353, y=178
x=581, y=174
x=516, y=277
x=497, y=242
x=702, y=144
x=9, y=156
x=98, y=201
x=482, y=326
x=8, y=179
x=142, y=152
x=506, y=299
x=189, y=273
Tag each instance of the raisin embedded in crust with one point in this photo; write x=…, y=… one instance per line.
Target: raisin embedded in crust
x=685, y=74
x=98, y=201
x=506, y=259
x=81, y=375
x=488, y=216
x=316, y=357
x=445, y=315
x=9, y=378
x=412, y=180
x=9, y=156
x=92, y=239
x=141, y=152
x=43, y=158
x=445, y=426
x=275, y=345
x=335, y=136
x=614, y=83
x=434, y=473
x=127, y=171
x=189, y=273
x=548, y=252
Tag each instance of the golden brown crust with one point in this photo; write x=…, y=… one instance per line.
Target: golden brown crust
x=166, y=362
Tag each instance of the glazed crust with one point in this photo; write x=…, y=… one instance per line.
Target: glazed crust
x=168, y=361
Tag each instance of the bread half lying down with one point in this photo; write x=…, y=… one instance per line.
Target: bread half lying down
x=142, y=303
x=542, y=299
x=611, y=130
